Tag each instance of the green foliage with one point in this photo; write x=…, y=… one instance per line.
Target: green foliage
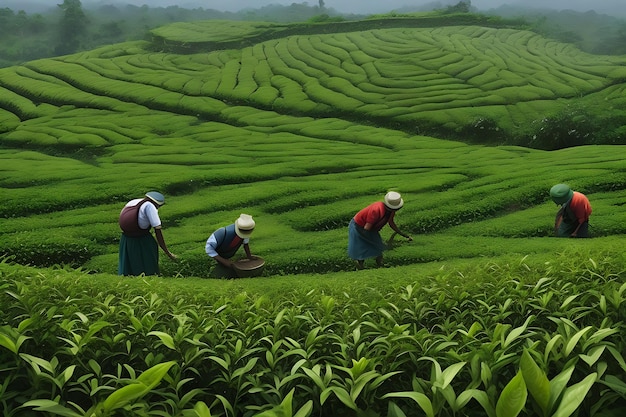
x=72, y=27
x=570, y=127
x=460, y=7
x=288, y=131
x=478, y=337
x=54, y=249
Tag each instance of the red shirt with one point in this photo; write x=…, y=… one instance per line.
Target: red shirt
x=376, y=213
x=580, y=207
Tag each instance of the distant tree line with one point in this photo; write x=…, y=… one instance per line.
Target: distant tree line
x=71, y=28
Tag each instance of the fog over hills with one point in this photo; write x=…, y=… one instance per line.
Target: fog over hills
x=611, y=7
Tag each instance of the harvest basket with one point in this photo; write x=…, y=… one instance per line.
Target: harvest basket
x=245, y=268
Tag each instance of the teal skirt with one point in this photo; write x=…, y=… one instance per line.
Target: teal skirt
x=566, y=229
x=138, y=255
x=363, y=244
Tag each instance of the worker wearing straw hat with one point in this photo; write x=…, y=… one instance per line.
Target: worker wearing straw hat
x=572, y=219
x=138, y=252
x=224, y=243
x=364, y=240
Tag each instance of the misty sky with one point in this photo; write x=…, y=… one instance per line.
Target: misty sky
x=612, y=7
x=376, y=6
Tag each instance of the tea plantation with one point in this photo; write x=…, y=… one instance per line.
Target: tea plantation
x=483, y=313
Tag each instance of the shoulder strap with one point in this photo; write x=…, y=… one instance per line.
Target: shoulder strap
x=129, y=220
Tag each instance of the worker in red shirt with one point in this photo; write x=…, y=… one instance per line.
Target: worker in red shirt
x=364, y=239
x=572, y=219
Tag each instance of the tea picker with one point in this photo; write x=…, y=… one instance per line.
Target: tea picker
x=224, y=243
x=364, y=240
x=138, y=251
x=572, y=219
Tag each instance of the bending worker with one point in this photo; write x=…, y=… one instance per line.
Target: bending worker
x=224, y=243
x=139, y=253
x=572, y=219
x=364, y=239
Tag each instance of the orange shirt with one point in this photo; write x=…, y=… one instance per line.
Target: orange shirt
x=580, y=207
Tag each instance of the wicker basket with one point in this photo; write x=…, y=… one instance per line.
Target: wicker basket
x=245, y=268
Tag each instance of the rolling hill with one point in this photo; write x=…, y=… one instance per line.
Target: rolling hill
x=301, y=130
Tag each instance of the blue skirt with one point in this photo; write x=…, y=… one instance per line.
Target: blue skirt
x=363, y=244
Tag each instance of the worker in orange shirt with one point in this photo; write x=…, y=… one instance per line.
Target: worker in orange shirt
x=572, y=219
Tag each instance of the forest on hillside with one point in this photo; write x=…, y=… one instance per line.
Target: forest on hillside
x=71, y=27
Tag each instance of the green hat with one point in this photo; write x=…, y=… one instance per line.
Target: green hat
x=561, y=193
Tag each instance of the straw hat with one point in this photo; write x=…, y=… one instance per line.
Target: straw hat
x=156, y=197
x=561, y=193
x=244, y=226
x=393, y=200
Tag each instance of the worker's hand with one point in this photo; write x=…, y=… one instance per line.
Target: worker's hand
x=409, y=238
x=172, y=256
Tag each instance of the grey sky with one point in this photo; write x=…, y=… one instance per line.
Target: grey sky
x=614, y=7
x=611, y=7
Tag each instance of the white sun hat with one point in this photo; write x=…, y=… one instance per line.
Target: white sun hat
x=244, y=226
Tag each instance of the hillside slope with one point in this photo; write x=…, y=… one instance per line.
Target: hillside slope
x=301, y=132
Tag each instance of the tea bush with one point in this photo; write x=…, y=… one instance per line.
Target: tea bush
x=44, y=251
x=469, y=337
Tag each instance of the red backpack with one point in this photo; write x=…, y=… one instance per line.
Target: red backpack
x=129, y=220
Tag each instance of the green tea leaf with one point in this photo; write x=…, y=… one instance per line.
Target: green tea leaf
x=134, y=391
x=571, y=344
x=551, y=347
x=6, y=342
x=305, y=410
x=166, y=339
x=517, y=332
x=574, y=396
x=615, y=384
x=220, y=361
x=38, y=363
x=558, y=384
x=478, y=395
x=125, y=395
x=536, y=381
x=242, y=371
x=422, y=400
x=228, y=407
x=201, y=409
x=618, y=357
x=394, y=411
x=53, y=407
x=513, y=397
x=594, y=355
x=152, y=376
x=361, y=382
x=284, y=409
x=341, y=393
x=315, y=376
x=568, y=301
x=600, y=334
x=448, y=375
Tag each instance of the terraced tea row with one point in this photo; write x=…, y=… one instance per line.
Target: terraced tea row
x=448, y=76
x=209, y=131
